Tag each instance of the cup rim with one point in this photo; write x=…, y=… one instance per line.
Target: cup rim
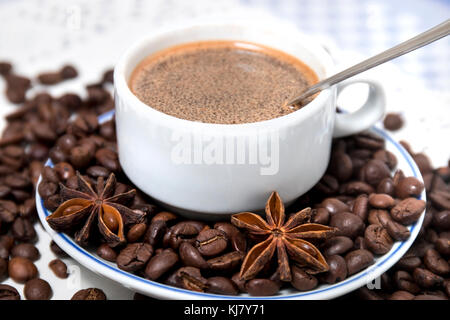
x=122, y=88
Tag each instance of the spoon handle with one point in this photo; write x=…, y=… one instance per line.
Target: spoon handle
x=433, y=34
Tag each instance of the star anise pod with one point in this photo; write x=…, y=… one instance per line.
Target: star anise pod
x=86, y=206
x=288, y=238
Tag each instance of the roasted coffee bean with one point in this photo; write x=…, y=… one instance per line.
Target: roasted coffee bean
x=25, y=250
x=98, y=171
x=47, y=189
x=381, y=201
x=136, y=232
x=211, y=242
x=57, y=250
x=239, y=282
x=59, y=268
x=50, y=78
x=303, y=281
x=348, y=224
x=183, y=231
x=387, y=157
x=81, y=156
x=134, y=256
x=393, y=121
x=66, y=142
x=441, y=199
x=8, y=293
x=423, y=162
x=239, y=242
x=337, y=245
x=401, y=295
x=261, y=287
x=160, y=264
x=21, y=269
x=374, y=171
x=106, y=252
x=340, y=166
x=408, y=210
x=227, y=262
x=5, y=68
x=89, y=294
x=52, y=203
x=441, y=220
x=4, y=191
x=337, y=270
x=426, y=278
x=108, y=159
x=369, y=141
x=57, y=155
x=358, y=260
x=397, y=231
x=227, y=228
x=435, y=263
x=190, y=256
x=28, y=209
x=356, y=188
x=442, y=246
x=155, y=232
x=17, y=181
x=377, y=239
x=320, y=216
x=191, y=278
x=68, y=72
x=8, y=211
x=405, y=282
x=409, y=187
x=37, y=289
x=221, y=285
x=365, y=293
x=23, y=230
x=360, y=207
x=64, y=170
x=327, y=185
x=3, y=268
x=420, y=247
x=334, y=206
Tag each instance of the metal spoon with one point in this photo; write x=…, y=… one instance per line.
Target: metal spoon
x=431, y=35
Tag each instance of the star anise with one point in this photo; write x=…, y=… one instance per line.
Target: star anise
x=85, y=206
x=287, y=238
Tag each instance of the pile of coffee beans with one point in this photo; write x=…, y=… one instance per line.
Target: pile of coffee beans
x=362, y=195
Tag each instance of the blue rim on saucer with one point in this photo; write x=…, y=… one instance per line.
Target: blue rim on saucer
x=381, y=264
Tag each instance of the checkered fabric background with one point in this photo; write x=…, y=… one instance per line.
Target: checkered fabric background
x=370, y=27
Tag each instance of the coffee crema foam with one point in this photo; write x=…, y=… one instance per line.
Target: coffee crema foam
x=225, y=82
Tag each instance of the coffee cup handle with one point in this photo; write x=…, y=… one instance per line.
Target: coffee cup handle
x=363, y=118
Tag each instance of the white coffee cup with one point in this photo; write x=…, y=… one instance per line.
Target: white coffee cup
x=211, y=170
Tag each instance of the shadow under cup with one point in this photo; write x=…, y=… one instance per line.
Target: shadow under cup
x=206, y=170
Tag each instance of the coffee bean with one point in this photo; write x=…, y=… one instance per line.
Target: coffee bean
x=337, y=245
x=262, y=287
x=57, y=155
x=423, y=162
x=240, y=283
x=397, y=231
x=239, y=242
x=340, y=166
x=64, y=170
x=211, y=242
x=8, y=211
x=356, y=188
x=106, y=252
x=59, y=268
x=442, y=246
x=37, y=289
x=21, y=269
x=136, y=232
x=23, y=230
x=160, y=264
x=183, y=231
x=227, y=228
x=301, y=280
x=47, y=189
x=8, y=293
x=408, y=210
x=81, y=156
x=50, y=78
x=5, y=68
x=377, y=239
x=98, y=171
x=358, y=260
x=360, y=207
x=409, y=187
x=374, y=171
x=441, y=199
x=57, y=250
x=190, y=256
x=401, y=295
x=68, y=72
x=393, y=121
x=387, y=157
x=369, y=141
x=108, y=159
x=435, y=263
x=426, y=278
x=190, y=278
x=405, y=282
x=226, y=262
x=334, y=206
x=155, y=232
x=327, y=185
x=25, y=250
x=337, y=270
x=89, y=294
x=441, y=220
x=134, y=256
x=221, y=285
x=381, y=201
x=320, y=216
x=348, y=224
